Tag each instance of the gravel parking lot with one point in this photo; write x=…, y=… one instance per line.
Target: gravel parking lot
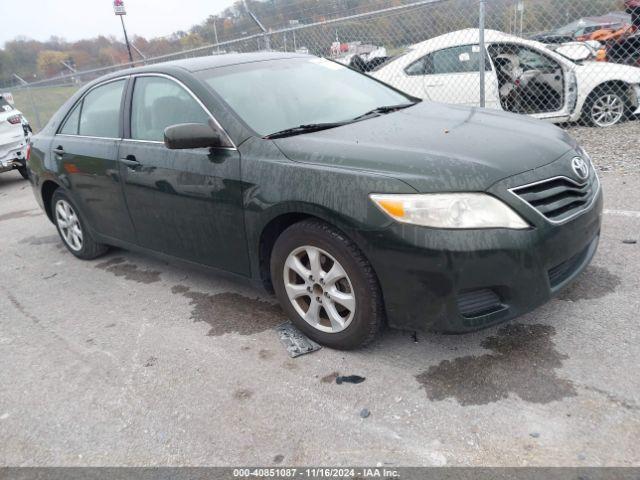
x=128, y=360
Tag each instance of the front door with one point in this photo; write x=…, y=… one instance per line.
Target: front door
x=86, y=151
x=184, y=203
x=532, y=82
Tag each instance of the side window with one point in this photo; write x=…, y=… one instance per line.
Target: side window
x=159, y=103
x=465, y=59
x=420, y=67
x=100, y=116
x=70, y=126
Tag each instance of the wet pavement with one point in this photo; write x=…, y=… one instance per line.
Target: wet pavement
x=129, y=360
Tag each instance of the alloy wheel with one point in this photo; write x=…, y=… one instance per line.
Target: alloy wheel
x=607, y=110
x=69, y=225
x=319, y=289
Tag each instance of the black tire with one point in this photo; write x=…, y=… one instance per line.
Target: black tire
x=368, y=318
x=90, y=249
x=599, y=92
x=24, y=172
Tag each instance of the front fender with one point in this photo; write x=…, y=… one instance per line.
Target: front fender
x=274, y=186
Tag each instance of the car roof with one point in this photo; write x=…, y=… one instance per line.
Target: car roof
x=467, y=37
x=213, y=61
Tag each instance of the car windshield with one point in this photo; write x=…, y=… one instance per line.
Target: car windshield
x=276, y=95
x=574, y=27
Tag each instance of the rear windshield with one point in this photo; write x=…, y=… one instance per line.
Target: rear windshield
x=275, y=95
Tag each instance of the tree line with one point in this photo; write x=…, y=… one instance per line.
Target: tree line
x=34, y=60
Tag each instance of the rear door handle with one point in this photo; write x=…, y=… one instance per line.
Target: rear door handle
x=59, y=151
x=131, y=162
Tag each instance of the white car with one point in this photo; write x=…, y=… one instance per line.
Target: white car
x=522, y=76
x=14, y=139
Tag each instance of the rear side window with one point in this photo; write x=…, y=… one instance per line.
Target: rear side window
x=159, y=103
x=464, y=59
x=100, y=114
x=70, y=126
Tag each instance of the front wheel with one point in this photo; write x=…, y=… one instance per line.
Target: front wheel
x=326, y=286
x=72, y=229
x=606, y=107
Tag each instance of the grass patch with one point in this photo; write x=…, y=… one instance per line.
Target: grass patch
x=47, y=101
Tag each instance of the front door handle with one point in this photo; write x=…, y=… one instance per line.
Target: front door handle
x=59, y=150
x=131, y=162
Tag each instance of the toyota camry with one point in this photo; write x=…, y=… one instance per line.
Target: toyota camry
x=357, y=204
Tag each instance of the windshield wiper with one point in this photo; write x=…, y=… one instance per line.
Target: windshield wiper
x=317, y=127
x=383, y=110
x=313, y=127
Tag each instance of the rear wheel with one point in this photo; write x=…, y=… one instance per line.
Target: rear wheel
x=72, y=230
x=326, y=286
x=606, y=107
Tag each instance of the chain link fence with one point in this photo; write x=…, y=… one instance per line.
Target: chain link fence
x=559, y=60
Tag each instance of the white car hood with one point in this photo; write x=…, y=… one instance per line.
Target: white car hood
x=609, y=71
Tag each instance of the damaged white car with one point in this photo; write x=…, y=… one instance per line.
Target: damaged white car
x=522, y=76
x=14, y=138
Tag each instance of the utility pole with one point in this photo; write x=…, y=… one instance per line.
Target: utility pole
x=483, y=53
x=267, y=40
x=137, y=50
x=215, y=33
x=119, y=10
x=25, y=84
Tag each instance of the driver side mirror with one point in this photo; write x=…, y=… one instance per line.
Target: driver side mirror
x=192, y=135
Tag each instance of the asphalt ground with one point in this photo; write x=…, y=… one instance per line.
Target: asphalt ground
x=128, y=360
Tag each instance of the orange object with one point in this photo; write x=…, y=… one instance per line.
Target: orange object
x=395, y=209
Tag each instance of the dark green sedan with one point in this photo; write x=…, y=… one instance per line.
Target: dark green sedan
x=358, y=205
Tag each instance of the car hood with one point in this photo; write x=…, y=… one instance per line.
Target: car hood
x=436, y=147
x=609, y=71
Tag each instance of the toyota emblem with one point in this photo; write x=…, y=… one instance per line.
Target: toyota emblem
x=580, y=167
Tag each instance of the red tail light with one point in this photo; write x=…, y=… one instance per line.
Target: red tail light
x=28, y=154
x=14, y=120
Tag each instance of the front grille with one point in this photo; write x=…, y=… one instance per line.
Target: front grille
x=559, y=199
x=475, y=303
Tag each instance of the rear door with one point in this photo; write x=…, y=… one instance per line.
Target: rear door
x=452, y=76
x=85, y=149
x=184, y=203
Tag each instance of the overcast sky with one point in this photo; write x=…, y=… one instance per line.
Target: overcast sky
x=76, y=19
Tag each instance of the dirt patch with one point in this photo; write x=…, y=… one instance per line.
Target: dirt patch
x=265, y=354
x=231, y=312
x=120, y=268
x=330, y=378
x=46, y=240
x=151, y=362
x=20, y=214
x=524, y=364
x=596, y=282
x=243, y=394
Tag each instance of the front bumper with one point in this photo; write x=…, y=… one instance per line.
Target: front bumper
x=457, y=281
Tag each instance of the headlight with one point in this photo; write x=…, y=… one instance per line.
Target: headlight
x=450, y=210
